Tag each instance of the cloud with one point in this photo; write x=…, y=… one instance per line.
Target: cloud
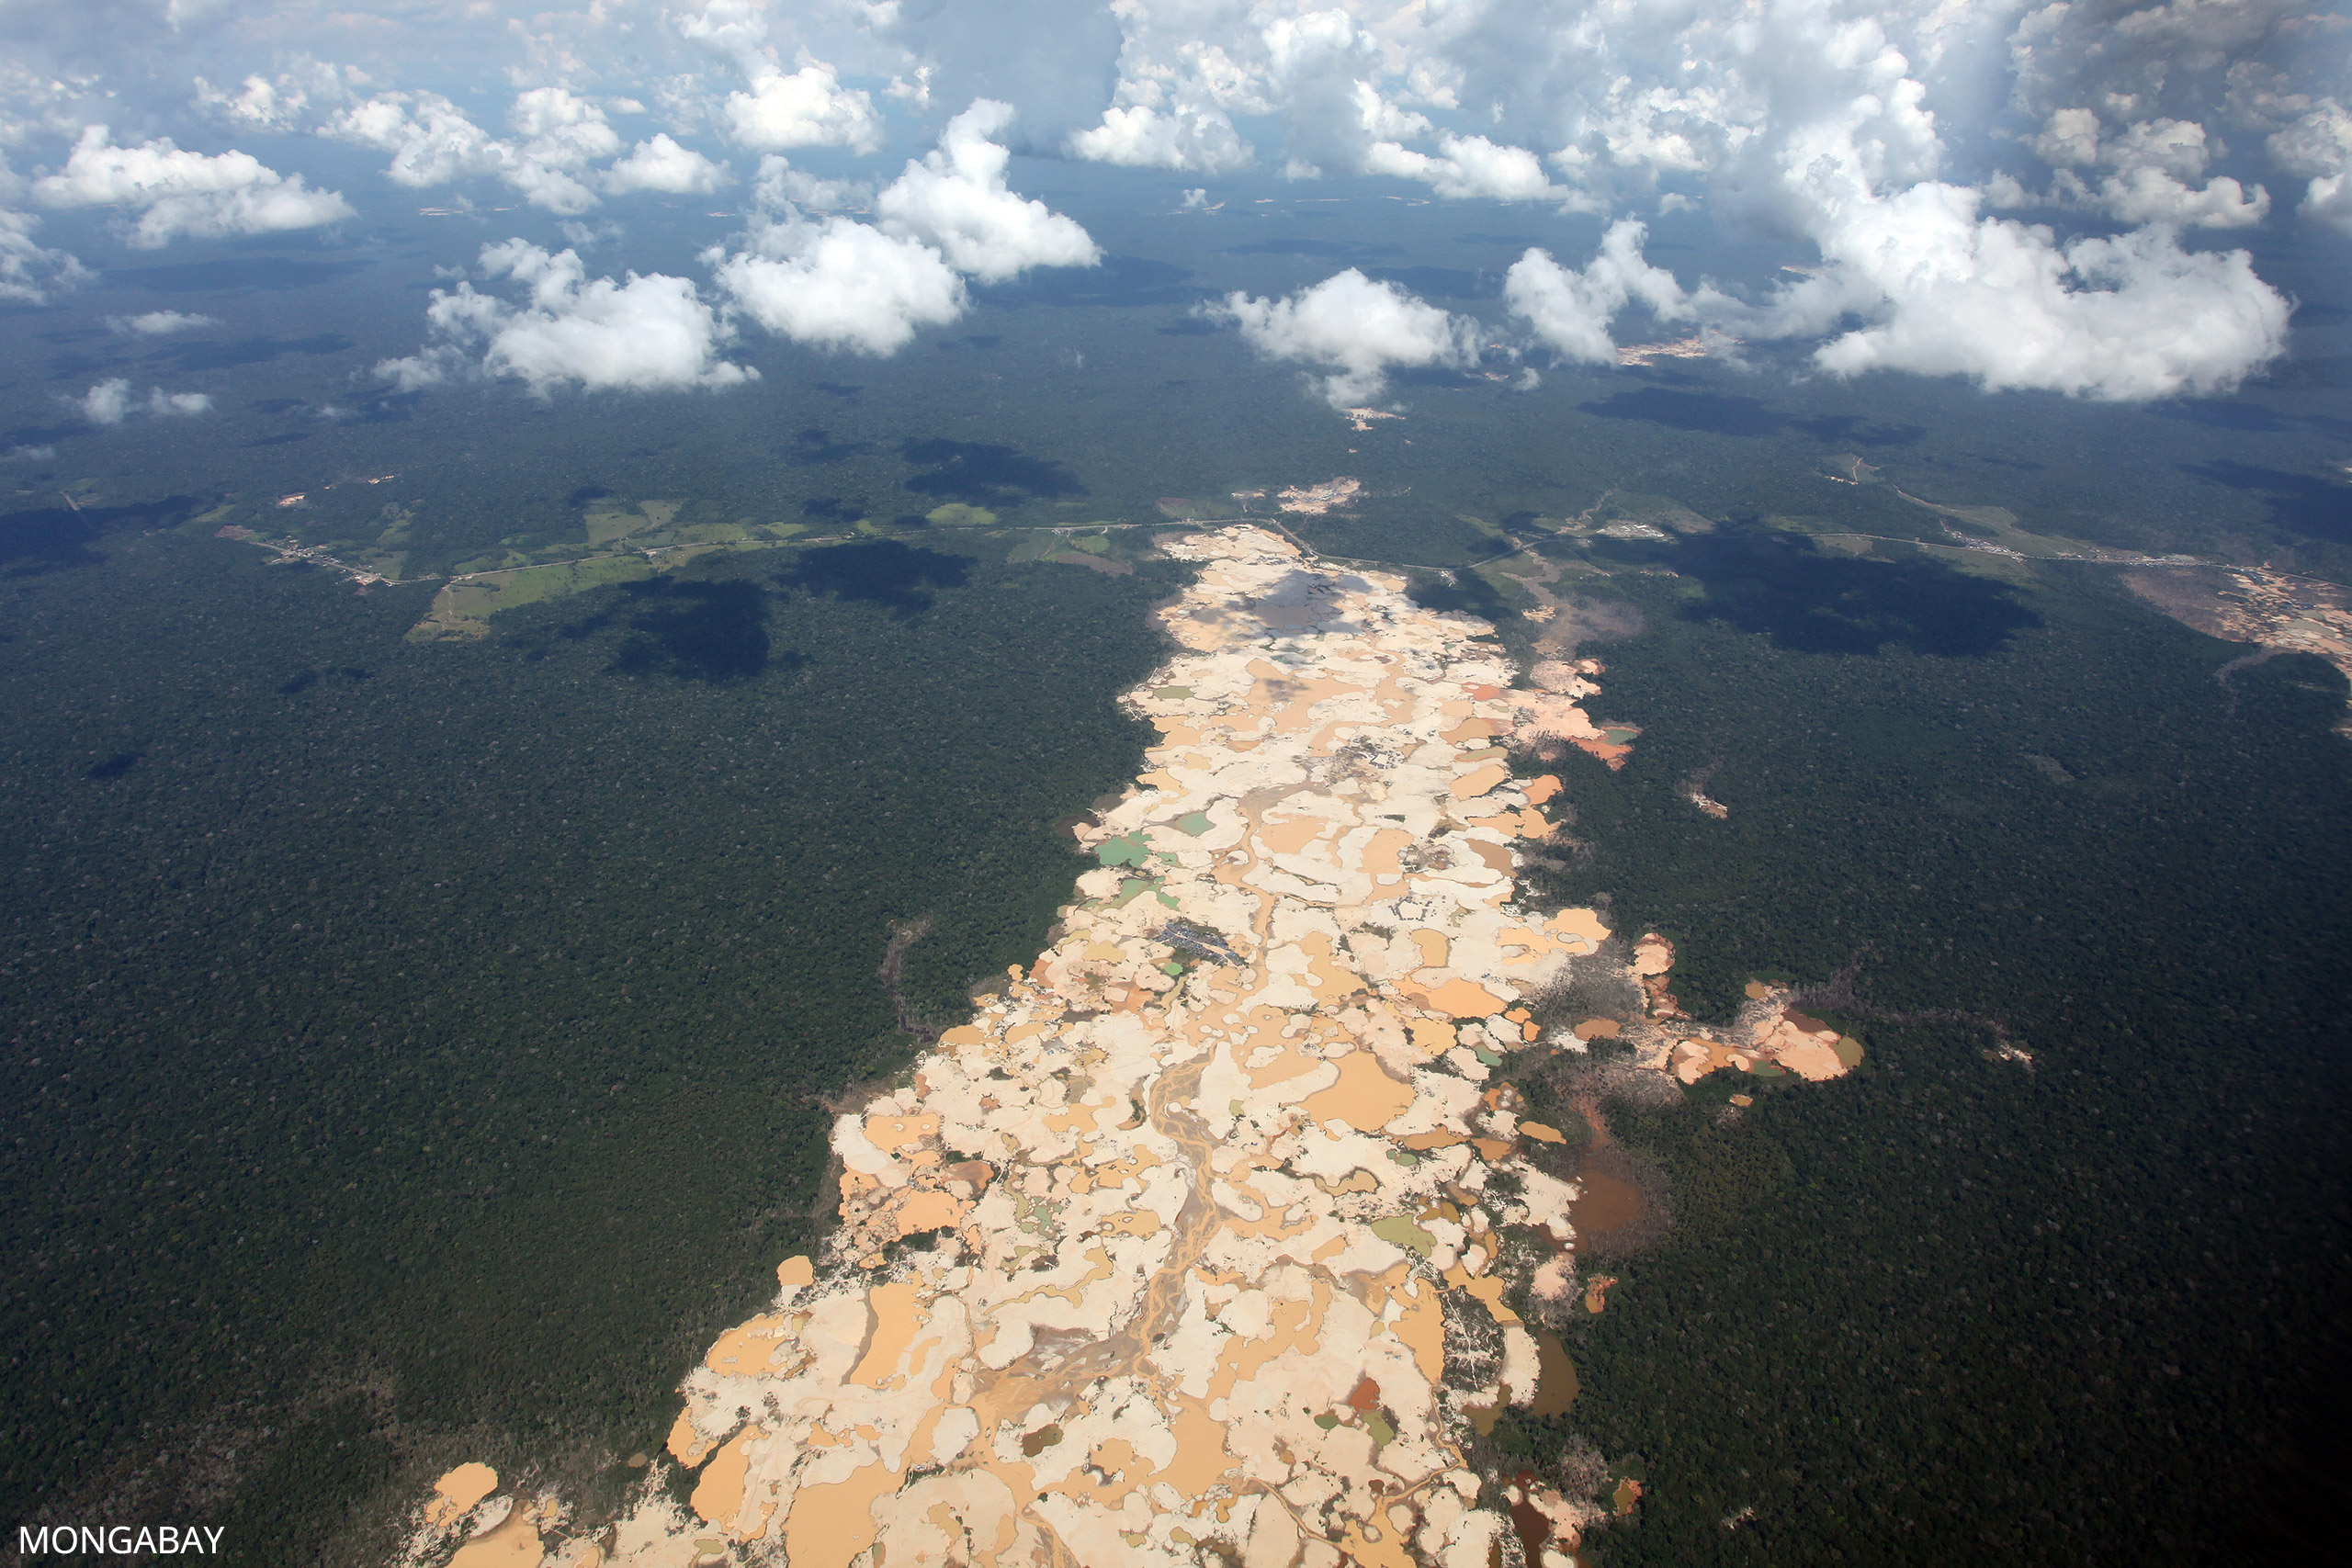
x=30, y=272
x=807, y=109
x=837, y=284
x=1570, y=312
x=559, y=135
x=111, y=401
x=2154, y=161
x=1472, y=168
x=1195, y=138
x=1057, y=59
x=956, y=200
x=1181, y=78
x=1357, y=327
x=2319, y=144
x=107, y=402
x=780, y=185
x=662, y=165
x=155, y=324
x=1944, y=292
x=589, y=236
x=652, y=333
x=430, y=139
x=285, y=102
x=177, y=192
x=1849, y=157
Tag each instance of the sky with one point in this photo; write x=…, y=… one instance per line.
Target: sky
x=2054, y=196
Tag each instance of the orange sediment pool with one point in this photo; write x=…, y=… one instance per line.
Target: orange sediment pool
x=1557, y=1388
x=1609, y=1203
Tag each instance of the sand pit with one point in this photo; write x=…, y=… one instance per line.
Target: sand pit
x=456, y=1493
x=514, y=1544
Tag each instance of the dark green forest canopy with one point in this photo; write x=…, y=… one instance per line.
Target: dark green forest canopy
x=1952, y=1308
x=427, y=1040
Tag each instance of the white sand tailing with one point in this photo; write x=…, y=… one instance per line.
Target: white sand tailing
x=1313, y=501
x=1200, y=1207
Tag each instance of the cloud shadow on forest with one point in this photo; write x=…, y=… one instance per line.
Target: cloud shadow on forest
x=1784, y=587
x=815, y=445
x=2301, y=503
x=1716, y=413
x=58, y=538
x=878, y=571
x=980, y=474
x=713, y=632
x=695, y=629
x=251, y=350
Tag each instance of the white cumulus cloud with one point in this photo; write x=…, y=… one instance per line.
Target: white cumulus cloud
x=561, y=135
x=111, y=401
x=2153, y=164
x=662, y=165
x=282, y=102
x=430, y=139
x=808, y=108
x=2319, y=144
x=30, y=272
x=1939, y=290
x=837, y=284
x=107, y=402
x=155, y=324
x=650, y=332
x=558, y=135
x=1570, y=311
x=177, y=192
x=1472, y=167
x=955, y=199
x=780, y=185
x=1946, y=292
x=1195, y=138
x=1358, y=329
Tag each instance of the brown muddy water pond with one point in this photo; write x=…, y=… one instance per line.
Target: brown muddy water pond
x=1556, y=1385
x=1609, y=1203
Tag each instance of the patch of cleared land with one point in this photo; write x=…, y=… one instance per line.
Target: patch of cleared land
x=462, y=610
x=1209, y=1234
x=1314, y=500
x=627, y=541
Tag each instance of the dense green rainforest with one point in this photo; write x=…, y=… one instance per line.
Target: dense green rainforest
x=416, y=1050
x=1953, y=1308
